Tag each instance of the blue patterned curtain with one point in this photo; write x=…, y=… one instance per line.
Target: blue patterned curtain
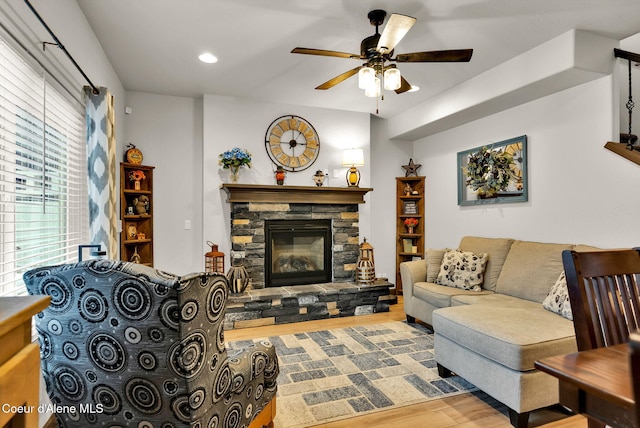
x=101, y=165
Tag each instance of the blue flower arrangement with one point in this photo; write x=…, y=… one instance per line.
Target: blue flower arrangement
x=235, y=158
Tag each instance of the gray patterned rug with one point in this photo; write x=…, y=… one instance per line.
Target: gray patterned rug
x=336, y=374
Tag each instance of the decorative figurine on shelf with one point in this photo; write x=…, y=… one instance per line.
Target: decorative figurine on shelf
x=407, y=189
x=318, y=178
x=132, y=231
x=280, y=175
x=135, y=257
x=411, y=169
x=141, y=204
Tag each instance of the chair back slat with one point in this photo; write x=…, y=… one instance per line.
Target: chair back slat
x=604, y=295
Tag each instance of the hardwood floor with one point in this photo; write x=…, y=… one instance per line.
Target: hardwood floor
x=466, y=410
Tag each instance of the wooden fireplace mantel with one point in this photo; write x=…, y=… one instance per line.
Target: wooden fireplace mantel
x=294, y=194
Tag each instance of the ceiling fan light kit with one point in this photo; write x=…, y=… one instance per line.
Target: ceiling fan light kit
x=366, y=77
x=373, y=91
x=377, y=50
x=392, y=79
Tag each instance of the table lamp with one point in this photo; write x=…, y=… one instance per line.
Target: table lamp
x=353, y=158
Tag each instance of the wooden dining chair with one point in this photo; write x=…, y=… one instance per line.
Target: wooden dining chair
x=634, y=361
x=604, y=294
x=605, y=298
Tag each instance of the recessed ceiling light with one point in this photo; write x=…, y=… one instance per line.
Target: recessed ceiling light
x=208, y=58
x=414, y=88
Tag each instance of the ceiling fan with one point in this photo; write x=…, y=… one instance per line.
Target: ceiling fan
x=377, y=50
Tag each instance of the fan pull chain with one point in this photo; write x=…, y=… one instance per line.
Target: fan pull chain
x=630, y=104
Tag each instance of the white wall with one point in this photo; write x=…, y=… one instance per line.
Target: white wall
x=387, y=158
x=168, y=131
x=233, y=122
x=579, y=192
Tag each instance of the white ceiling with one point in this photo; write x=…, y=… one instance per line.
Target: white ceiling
x=153, y=44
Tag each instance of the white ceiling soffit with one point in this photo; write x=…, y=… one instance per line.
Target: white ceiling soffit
x=570, y=59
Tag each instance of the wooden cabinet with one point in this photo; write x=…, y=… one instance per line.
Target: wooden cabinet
x=409, y=239
x=136, y=212
x=19, y=361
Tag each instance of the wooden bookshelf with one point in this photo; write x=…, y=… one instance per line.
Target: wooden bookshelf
x=409, y=204
x=137, y=228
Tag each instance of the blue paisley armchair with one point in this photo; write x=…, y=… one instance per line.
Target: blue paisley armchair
x=123, y=344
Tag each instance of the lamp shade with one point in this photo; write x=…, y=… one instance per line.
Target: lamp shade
x=366, y=77
x=353, y=157
x=392, y=79
x=373, y=91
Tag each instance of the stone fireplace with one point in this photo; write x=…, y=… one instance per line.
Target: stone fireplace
x=255, y=207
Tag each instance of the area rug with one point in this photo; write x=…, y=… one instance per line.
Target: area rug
x=336, y=374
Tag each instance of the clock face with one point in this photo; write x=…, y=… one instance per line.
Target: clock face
x=292, y=142
x=134, y=156
x=515, y=150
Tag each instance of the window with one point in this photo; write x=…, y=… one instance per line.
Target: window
x=43, y=179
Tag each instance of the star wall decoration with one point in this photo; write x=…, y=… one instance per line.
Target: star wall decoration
x=411, y=169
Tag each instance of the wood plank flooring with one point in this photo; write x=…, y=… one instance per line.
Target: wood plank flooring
x=465, y=410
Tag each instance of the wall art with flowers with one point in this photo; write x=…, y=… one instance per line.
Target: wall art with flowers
x=494, y=173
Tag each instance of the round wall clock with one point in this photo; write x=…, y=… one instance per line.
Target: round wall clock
x=133, y=155
x=292, y=142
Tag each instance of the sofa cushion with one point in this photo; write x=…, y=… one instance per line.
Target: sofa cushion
x=531, y=269
x=557, y=301
x=496, y=248
x=462, y=269
x=439, y=295
x=434, y=260
x=513, y=337
x=493, y=299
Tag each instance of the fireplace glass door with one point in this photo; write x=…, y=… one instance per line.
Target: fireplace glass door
x=297, y=252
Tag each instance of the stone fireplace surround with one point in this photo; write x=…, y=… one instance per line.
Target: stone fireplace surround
x=251, y=205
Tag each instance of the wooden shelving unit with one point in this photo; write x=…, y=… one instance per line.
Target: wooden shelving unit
x=134, y=224
x=409, y=206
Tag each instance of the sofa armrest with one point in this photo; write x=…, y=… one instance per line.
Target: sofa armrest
x=410, y=273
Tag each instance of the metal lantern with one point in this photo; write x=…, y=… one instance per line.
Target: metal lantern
x=214, y=259
x=365, y=268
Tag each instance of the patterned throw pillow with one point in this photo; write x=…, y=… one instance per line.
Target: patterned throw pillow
x=557, y=301
x=462, y=269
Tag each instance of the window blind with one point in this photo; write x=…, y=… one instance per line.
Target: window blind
x=43, y=179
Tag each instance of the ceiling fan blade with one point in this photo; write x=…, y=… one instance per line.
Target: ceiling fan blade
x=322, y=52
x=396, y=28
x=404, y=85
x=455, y=55
x=340, y=78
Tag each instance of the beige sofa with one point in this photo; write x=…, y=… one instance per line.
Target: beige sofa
x=492, y=337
